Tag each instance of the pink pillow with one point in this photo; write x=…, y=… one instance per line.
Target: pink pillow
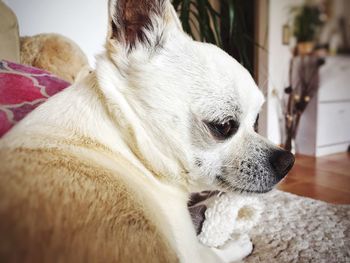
x=22, y=89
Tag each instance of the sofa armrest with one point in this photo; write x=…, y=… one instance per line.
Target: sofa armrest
x=9, y=34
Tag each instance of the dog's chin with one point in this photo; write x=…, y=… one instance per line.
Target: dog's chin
x=226, y=186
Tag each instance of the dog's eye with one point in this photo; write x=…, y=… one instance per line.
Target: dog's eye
x=224, y=130
x=256, y=124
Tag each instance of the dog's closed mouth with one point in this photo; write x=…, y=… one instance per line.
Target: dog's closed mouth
x=227, y=185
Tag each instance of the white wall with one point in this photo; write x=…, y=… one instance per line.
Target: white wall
x=84, y=21
x=279, y=58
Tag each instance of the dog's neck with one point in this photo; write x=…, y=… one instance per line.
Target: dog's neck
x=162, y=165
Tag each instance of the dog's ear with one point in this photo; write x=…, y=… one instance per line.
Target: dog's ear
x=135, y=22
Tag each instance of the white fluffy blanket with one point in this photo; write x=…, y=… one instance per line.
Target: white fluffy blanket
x=283, y=227
x=227, y=217
x=299, y=229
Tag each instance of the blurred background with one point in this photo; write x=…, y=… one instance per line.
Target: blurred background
x=298, y=52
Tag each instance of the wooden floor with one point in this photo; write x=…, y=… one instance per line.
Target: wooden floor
x=324, y=178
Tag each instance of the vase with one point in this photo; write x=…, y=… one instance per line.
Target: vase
x=293, y=149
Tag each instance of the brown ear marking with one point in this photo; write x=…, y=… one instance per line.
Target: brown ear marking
x=131, y=17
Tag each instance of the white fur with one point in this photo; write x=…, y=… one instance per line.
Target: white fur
x=152, y=95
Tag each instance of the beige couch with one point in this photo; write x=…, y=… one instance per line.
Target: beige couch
x=9, y=35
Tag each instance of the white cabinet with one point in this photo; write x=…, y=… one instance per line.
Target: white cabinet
x=325, y=125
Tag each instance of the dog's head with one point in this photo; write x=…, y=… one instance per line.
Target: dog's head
x=186, y=109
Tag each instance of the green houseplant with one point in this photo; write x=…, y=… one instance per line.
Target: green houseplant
x=228, y=24
x=306, y=23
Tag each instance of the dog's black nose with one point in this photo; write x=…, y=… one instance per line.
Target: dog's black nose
x=281, y=162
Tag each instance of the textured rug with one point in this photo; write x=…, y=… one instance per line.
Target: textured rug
x=298, y=229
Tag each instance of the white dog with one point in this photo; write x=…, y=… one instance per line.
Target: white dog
x=102, y=171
